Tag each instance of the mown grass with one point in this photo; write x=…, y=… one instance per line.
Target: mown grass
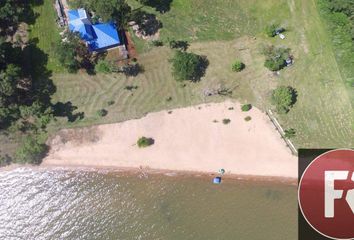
x=46, y=32
x=206, y=20
x=323, y=114
x=156, y=88
x=223, y=31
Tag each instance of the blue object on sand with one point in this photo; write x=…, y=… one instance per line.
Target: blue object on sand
x=217, y=180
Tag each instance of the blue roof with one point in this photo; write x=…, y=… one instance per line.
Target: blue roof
x=107, y=35
x=77, y=14
x=98, y=36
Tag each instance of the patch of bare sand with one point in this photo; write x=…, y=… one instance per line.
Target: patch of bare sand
x=187, y=139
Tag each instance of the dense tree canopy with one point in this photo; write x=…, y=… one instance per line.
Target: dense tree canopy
x=73, y=53
x=10, y=12
x=188, y=66
x=30, y=151
x=338, y=15
x=25, y=85
x=275, y=57
x=116, y=10
x=344, y=6
x=283, y=98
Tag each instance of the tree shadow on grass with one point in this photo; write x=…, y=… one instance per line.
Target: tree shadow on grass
x=202, y=67
x=293, y=95
x=161, y=6
x=42, y=87
x=35, y=67
x=147, y=22
x=67, y=110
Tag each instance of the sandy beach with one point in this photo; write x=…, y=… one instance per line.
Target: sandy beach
x=186, y=139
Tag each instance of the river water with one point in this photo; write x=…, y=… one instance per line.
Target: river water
x=66, y=204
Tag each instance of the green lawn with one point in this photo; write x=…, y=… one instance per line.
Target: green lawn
x=46, y=32
x=228, y=30
x=205, y=20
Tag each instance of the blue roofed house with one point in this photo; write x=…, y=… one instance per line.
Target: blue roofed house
x=98, y=37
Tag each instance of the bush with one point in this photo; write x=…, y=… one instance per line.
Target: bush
x=73, y=53
x=131, y=87
x=246, y=107
x=248, y=118
x=102, y=112
x=275, y=57
x=110, y=103
x=226, y=121
x=290, y=133
x=270, y=30
x=103, y=66
x=132, y=70
x=156, y=43
x=188, y=66
x=5, y=160
x=30, y=151
x=182, y=45
x=283, y=98
x=274, y=64
x=238, y=66
x=145, y=142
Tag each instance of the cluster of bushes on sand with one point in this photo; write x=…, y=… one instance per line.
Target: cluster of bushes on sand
x=145, y=142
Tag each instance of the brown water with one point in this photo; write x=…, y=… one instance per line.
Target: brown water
x=58, y=204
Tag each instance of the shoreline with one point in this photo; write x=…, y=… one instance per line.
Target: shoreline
x=191, y=139
x=146, y=172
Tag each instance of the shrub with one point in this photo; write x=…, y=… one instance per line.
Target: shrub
x=145, y=142
x=226, y=121
x=73, y=53
x=30, y=151
x=246, y=107
x=103, y=66
x=110, y=103
x=132, y=70
x=283, y=98
x=5, y=160
x=188, y=66
x=131, y=87
x=102, y=112
x=238, y=66
x=290, y=133
x=156, y=43
x=248, y=118
x=270, y=30
x=275, y=57
x=274, y=64
x=182, y=45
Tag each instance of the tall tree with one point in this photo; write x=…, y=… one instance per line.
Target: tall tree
x=10, y=12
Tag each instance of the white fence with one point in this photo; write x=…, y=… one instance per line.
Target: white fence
x=281, y=131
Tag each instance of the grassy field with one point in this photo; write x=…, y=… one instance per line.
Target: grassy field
x=322, y=116
x=46, y=32
x=208, y=20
